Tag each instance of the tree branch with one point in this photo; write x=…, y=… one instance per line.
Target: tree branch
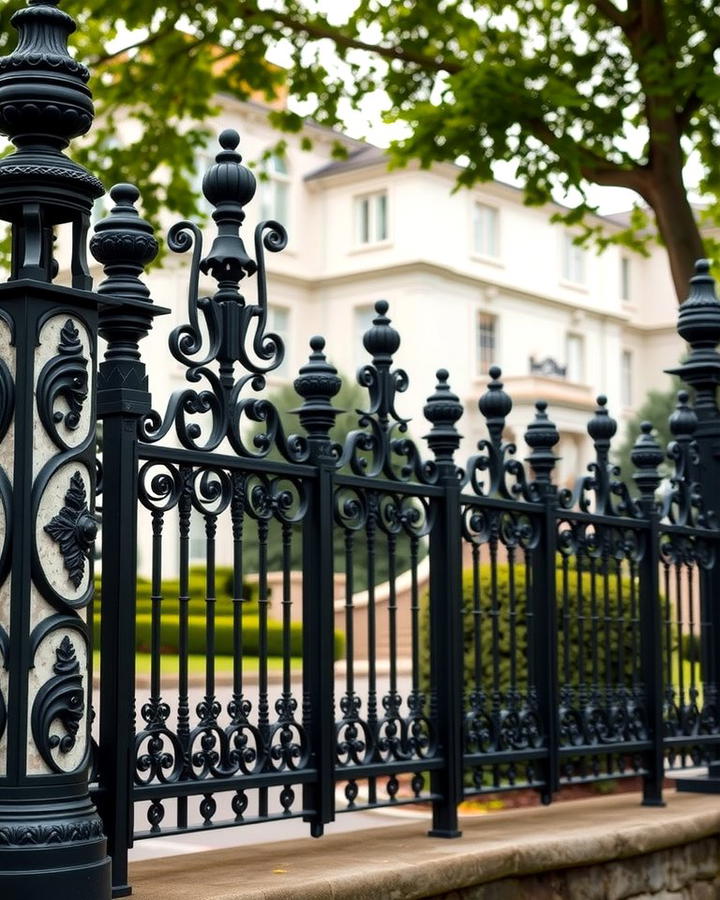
x=610, y=11
x=148, y=41
x=320, y=29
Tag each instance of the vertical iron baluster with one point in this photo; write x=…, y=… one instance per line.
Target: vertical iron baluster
x=349, y=623
x=669, y=688
x=566, y=621
x=691, y=646
x=580, y=597
x=286, y=538
x=477, y=623
x=237, y=514
x=495, y=624
x=183, y=718
x=370, y=534
x=529, y=628
x=679, y=622
x=263, y=703
x=512, y=614
x=416, y=706
x=607, y=626
x=594, y=625
x=620, y=621
x=210, y=602
x=634, y=641
x=392, y=622
x=156, y=608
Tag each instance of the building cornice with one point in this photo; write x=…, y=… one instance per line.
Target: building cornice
x=421, y=267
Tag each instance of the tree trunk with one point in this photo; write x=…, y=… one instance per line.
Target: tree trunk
x=677, y=227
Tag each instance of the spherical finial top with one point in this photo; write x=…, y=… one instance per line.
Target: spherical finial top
x=229, y=139
x=442, y=375
x=646, y=427
x=381, y=307
x=541, y=406
x=228, y=181
x=495, y=372
x=317, y=343
x=124, y=194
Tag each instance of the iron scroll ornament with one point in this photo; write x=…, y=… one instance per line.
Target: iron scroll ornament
x=74, y=528
x=60, y=699
x=64, y=376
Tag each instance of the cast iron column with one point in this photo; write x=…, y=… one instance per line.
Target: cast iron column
x=699, y=325
x=51, y=837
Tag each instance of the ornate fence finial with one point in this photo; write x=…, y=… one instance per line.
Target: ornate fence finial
x=317, y=383
x=495, y=405
x=684, y=505
x=699, y=325
x=602, y=428
x=541, y=436
x=646, y=456
x=229, y=187
x=683, y=420
x=443, y=409
x=381, y=341
x=124, y=244
x=44, y=104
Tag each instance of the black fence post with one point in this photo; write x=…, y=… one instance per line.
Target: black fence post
x=124, y=244
x=646, y=457
x=51, y=838
x=443, y=409
x=699, y=325
x=317, y=383
x=541, y=436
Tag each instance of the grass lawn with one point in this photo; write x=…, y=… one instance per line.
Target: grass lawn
x=196, y=664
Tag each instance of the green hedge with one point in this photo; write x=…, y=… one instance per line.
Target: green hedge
x=170, y=633
x=196, y=590
x=617, y=635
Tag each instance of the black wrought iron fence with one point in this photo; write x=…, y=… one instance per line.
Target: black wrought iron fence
x=507, y=635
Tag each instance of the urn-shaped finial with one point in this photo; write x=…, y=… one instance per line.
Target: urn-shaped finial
x=646, y=456
x=381, y=340
x=228, y=185
x=495, y=404
x=317, y=383
x=443, y=409
x=541, y=436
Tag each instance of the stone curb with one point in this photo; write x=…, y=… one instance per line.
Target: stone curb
x=401, y=863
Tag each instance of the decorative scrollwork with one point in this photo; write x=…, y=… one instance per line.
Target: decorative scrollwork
x=25, y=835
x=233, y=335
x=64, y=376
x=74, y=529
x=61, y=699
x=376, y=447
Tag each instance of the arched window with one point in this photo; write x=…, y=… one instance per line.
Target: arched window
x=275, y=190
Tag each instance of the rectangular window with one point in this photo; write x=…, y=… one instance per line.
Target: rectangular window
x=485, y=230
x=278, y=322
x=371, y=218
x=486, y=341
x=575, y=348
x=573, y=261
x=624, y=278
x=362, y=320
x=626, y=379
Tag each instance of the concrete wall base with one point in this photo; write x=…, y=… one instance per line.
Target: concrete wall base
x=609, y=848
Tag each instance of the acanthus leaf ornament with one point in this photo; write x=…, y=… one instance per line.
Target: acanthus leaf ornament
x=74, y=528
x=64, y=376
x=60, y=699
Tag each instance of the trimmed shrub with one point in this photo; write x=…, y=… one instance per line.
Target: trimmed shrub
x=579, y=598
x=170, y=635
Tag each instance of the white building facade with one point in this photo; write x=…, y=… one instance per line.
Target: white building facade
x=473, y=278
